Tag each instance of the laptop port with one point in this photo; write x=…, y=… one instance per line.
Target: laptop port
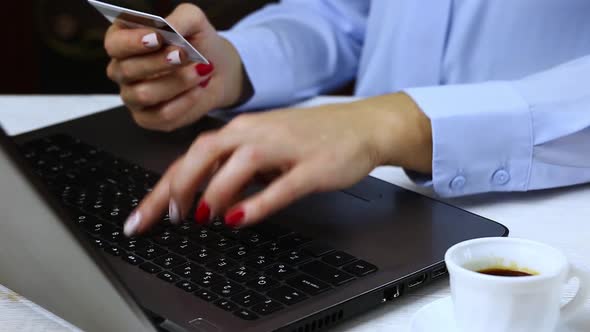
x=438, y=272
x=392, y=293
x=417, y=281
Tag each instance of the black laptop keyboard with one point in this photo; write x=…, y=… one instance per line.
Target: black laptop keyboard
x=250, y=272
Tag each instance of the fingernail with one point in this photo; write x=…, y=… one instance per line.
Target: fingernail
x=205, y=83
x=174, y=212
x=150, y=40
x=234, y=217
x=204, y=69
x=203, y=212
x=132, y=223
x=173, y=57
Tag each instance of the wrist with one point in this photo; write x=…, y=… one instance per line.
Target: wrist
x=235, y=79
x=402, y=134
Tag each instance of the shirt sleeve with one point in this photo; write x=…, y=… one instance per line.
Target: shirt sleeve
x=299, y=48
x=528, y=134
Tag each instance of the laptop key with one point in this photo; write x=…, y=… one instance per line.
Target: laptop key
x=267, y=307
x=186, y=228
x=188, y=270
x=260, y=262
x=360, y=268
x=287, y=295
x=221, y=265
x=239, y=253
x=280, y=271
x=112, y=235
x=295, y=257
x=97, y=242
x=166, y=238
x=293, y=241
x=187, y=286
x=99, y=227
x=338, y=258
x=169, y=261
x=271, y=231
x=151, y=252
x=307, y=284
x=273, y=248
x=133, y=244
x=327, y=273
x=203, y=256
x=113, y=250
x=226, y=305
x=223, y=245
x=184, y=247
x=167, y=276
x=255, y=240
x=245, y=314
x=207, y=279
x=317, y=249
x=217, y=224
x=206, y=295
x=242, y=274
x=204, y=236
x=150, y=267
x=248, y=298
x=262, y=284
x=227, y=288
x=233, y=233
x=132, y=259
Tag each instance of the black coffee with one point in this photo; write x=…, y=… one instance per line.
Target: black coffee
x=504, y=272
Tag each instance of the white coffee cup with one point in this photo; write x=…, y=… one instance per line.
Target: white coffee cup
x=491, y=303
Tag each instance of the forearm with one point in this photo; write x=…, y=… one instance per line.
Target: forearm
x=295, y=50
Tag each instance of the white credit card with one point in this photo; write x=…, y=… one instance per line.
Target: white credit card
x=137, y=19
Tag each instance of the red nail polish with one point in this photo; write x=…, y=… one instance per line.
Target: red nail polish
x=202, y=213
x=234, y=217
x=205, y=83
x=203, y=69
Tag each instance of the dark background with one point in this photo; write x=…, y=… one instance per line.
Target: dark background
x=56, y=46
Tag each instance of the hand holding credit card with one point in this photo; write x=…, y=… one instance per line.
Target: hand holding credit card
x=137, y=19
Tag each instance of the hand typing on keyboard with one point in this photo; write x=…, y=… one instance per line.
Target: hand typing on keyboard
x=316, y=149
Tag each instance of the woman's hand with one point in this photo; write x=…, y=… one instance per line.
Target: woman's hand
x=316, y=149
x=158, y=84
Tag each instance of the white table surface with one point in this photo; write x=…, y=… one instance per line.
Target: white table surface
x=557, y=217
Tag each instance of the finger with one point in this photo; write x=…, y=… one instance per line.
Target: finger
x=122, y=42
x=236, y=173
x=203, y=156
x=294, y=184
x=143, y=67
x=173, y=114
x=189, y=19
x=164, y=88
x=152, y=207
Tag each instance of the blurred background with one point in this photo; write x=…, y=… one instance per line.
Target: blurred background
x=56, y=46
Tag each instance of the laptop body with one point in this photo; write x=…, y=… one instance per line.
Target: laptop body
x=403, y=235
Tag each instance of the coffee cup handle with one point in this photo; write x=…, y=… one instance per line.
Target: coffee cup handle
x=578, y=301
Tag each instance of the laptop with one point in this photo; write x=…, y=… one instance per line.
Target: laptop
x=67, y=189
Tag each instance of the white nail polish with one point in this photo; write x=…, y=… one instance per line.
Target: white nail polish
x=173, y=212
x=173, y=57
x=132, y=223
x=150, y=40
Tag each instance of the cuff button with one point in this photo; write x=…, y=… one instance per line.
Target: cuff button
x=458, y=182
x=500, y=177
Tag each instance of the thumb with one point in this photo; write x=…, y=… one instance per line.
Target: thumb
x=189, y=19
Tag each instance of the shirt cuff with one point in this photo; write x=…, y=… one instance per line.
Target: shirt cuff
x=482, y=137
x=269, y=72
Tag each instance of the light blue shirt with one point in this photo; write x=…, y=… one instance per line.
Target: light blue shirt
x=505, y=83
